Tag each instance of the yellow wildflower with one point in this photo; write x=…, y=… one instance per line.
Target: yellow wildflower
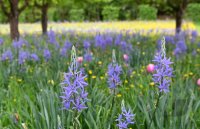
x=127, y=88
x=186, y=75
x=101, y=77
x=19, y=80
x=152, y=84
x=119, y=95
x=191, y=73
x=132, y=86
x=90, y=71
x=141, y=86
x=100, y=63
x=93, y=77
x=133, y=72
x=51, y=82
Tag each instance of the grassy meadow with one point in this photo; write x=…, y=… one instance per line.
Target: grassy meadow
x=32, y=70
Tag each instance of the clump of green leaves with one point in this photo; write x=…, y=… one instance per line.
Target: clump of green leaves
x=192, y=11
x=147, y=12
x=76, y=15
x=110, y=13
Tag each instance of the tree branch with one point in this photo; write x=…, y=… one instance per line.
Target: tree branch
x=3, y=8
x=23, y=7
x=173, y=5
x=185, y=3
x=37, y=5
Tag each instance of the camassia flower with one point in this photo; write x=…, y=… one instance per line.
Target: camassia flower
x=7, y=55
x=88, y=55
x=74, y=95
x=114, y=71
x=163, y=74
x=23, y=56
x=113, y=75
x=34, y=57
x=46, y=54
x=125, y=118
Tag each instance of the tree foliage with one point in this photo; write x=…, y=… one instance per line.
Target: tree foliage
x=59, y=10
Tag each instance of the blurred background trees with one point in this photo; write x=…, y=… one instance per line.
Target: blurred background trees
x=11, y=10
x=43, y=11
x=43, y=6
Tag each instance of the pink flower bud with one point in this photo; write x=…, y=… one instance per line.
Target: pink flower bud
x=125, y=57
x=80, y=59
x=198, y=82
x=150, y=68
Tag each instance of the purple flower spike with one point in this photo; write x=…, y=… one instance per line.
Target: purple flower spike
x=88, y=57
x=34, y=57
x=114, y=71
x=7, y=55
x=180, y=49
x=19, y=43
x=74, y=95
x=23, y=56
x=51, y=37
x=163, y=74
x=47, y=54
x=63, y=51
x=86, y=44
x=125, y=118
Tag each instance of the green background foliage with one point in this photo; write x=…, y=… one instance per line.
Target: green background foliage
x=99, y=10
x=76, y=15
x=192, y=11
x=110, y=13
x=147, y=12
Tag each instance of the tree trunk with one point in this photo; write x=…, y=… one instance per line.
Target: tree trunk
x=44, y=19
x=179, y=16
x=14, y=32
x=13, y=19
